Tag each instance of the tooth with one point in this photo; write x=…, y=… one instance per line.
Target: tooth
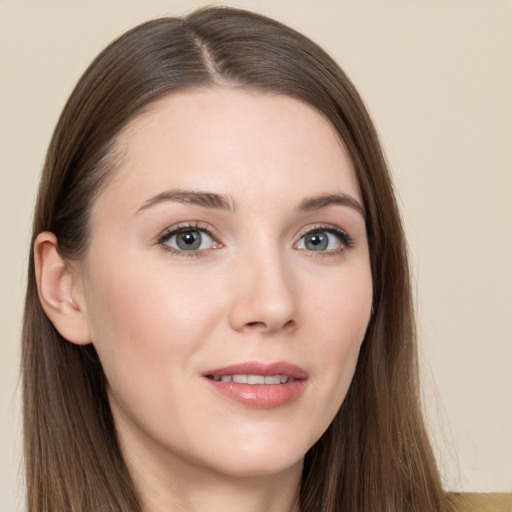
x=255, y=379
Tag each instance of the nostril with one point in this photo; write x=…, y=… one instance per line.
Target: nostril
x=259, y=325
x=290, y=324
x=256, y=325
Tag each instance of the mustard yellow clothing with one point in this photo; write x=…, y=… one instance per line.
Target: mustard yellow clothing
x=482, y=502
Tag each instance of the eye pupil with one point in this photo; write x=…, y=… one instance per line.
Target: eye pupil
x=188, y=240
x=316, y=241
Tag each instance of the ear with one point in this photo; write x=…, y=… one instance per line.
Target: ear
x=58, y=289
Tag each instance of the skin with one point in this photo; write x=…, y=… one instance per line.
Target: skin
x=160, y=317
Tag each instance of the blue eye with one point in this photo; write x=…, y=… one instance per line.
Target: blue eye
x=188, y=239
x=325, y=240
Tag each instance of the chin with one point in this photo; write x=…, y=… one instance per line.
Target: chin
x=256, y=459
x=245, y=467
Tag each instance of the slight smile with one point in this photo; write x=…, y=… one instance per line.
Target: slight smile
x=259, y=385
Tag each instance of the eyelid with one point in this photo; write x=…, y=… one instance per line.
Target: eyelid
x=187, y=226
x=346, y=240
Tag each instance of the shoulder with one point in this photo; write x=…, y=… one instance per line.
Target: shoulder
x=481, y=502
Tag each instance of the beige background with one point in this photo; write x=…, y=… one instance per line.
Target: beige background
x=437, y=77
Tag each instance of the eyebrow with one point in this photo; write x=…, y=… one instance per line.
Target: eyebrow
x=195, y=197
x=224, y=202
x=326, y=200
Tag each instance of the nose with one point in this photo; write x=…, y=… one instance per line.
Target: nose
x=264, y=298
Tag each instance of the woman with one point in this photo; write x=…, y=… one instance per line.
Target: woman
x=218, y=311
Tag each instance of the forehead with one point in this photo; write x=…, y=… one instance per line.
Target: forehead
x=231, y=141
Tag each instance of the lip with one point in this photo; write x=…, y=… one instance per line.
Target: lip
x=260, y=396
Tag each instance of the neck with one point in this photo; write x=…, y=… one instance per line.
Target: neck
x=185, y=487
x=166, y=481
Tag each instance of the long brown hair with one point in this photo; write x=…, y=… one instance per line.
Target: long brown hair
x=375, y=456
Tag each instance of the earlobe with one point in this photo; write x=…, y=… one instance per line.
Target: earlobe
x=59, y=294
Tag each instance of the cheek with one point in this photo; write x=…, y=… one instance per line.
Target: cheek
x=344, y=311
x=143, y=319
x=148, y=326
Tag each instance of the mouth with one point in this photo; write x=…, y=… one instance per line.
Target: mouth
x=259, y=385
x=252, y=380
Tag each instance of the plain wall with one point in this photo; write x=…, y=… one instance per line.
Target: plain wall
x=437, y=78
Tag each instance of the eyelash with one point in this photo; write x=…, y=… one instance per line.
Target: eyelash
x=346, y=241
x=175, y=230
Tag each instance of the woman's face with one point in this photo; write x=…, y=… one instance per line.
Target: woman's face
x=227, y=284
